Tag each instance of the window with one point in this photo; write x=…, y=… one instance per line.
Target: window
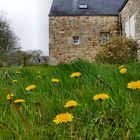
x=127, y=29
x=83, y=6
x=76, y=40
x=130, y=27
x=104, y=37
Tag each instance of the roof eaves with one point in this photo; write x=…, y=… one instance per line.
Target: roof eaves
x=83, y=15
x=123, y=5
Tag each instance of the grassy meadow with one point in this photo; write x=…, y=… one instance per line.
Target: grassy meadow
x=114, y=118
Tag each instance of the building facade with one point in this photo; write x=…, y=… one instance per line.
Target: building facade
x=130, y=19
x=74, y=37
x=78, y=28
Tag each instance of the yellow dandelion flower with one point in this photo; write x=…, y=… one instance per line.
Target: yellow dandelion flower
x=54, y=80
x=10, y=96
x=134, y=85
x=63, y=118
x=19, y=101
x=30, y=87
x=101, y=96
x=122, y=69
x=71, y=103
x=14, y=81
x=75, y=75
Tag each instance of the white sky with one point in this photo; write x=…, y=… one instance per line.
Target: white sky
x=29, y=21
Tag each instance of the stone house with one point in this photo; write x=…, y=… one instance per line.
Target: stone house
x=79, y=28
x=130, y=19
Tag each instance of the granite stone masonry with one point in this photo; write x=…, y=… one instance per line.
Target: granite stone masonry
x=131, y=9
x=74, y=37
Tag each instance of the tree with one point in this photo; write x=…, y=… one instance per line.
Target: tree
x=35, y=56
x=8, y=40
x=25, y=58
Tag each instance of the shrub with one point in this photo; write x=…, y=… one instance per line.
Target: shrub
x=117, y=51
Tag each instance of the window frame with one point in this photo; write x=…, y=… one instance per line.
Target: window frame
x=76, y=40
x=130, y=27
x=83, y=6
x=106, y=37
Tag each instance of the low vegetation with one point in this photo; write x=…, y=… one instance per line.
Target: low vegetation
x=118, y=50
x=78, y=101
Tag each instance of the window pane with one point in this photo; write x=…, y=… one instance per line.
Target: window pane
x=104, y=37
x=83, y=6
x=75, y=40
x=127, y=29
x=132, y=26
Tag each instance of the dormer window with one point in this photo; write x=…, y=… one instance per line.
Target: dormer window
x=83, y=6
x=76, y=40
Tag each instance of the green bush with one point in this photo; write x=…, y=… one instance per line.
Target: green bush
x=118, y=50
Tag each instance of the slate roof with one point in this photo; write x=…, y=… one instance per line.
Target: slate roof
x=95, y=7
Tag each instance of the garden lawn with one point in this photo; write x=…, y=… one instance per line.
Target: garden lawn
x=33, y=102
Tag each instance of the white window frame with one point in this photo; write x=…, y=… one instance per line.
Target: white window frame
x=83, y=6
x=130, y=27
x=76, y=40
x=127, y=28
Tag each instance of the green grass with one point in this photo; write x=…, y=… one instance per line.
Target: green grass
x=117, y=118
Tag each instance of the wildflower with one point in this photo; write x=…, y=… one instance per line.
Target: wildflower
x=10, y=96
x=122, y=69
x=19, y=101
x=71, y=103
x=63, y=118
x=75, y=75
x=134, y=85
x=55, y=80
x=14, y=81
x=30, y=87
x=101, y=96
x=18, y=72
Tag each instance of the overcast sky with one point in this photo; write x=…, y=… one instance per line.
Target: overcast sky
x=29, y=20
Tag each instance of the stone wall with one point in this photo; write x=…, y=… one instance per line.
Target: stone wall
x=132, y=8
x=62, y=29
